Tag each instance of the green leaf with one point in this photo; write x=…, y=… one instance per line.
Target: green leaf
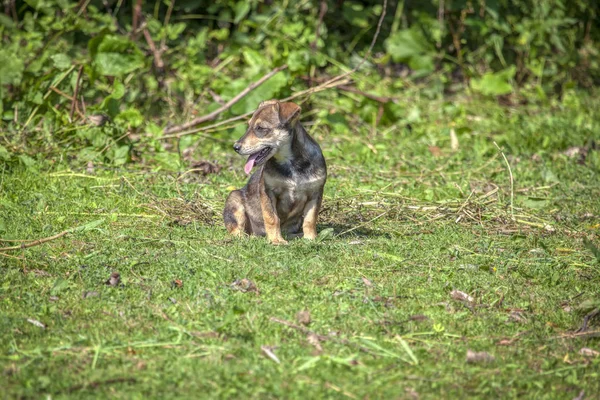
x=405, y=44
x=242, y=8
x=4, y=154
x=120, y=155
x=168, y=161
x=326, y=234
x=495, y=84
x=87, y=227
x=59, y=285
x=115, y=64
x=408, y=350
x=118, y=90
x=6, y=21
x=267, y=90
x=298, y=60
x=410, y=46
x=110, y=102
x=61, y=61
x=255, y=60
x=535, y=203
x=310, y=363
x=11, y=68
x=355, y=14
x=26, y=160
x=115, y=55
x=130, y=117
x=175, y=30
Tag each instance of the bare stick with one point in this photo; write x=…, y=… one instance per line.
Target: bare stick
x=137, y=13
x=60, y=92
x=35, y=242
x=9, y=256
x=75, y=94
x=512, y=183
x=332, y=83
x=158, y=62
x=226, y=106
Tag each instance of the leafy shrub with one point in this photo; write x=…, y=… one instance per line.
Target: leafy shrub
x=175, y=60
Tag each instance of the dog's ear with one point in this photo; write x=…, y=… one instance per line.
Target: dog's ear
x=267, y=102
x=289, y=112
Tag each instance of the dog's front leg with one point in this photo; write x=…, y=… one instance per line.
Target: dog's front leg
x=268, y=204
x=311, y=211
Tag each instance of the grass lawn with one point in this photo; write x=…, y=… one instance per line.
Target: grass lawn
x=432, y=277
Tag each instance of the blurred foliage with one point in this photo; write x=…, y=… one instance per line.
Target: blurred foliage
x=136, y=67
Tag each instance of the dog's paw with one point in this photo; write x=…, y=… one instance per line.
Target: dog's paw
x=310, y=235
x=278, y=242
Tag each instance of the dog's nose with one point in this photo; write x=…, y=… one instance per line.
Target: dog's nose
x=237, y=147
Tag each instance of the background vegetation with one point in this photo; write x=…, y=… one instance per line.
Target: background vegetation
x=147, y=65
x=458, y=250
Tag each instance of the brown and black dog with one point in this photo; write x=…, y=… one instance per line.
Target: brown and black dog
x=285, y=193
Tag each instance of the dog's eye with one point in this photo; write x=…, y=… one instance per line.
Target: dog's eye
x=261, y=130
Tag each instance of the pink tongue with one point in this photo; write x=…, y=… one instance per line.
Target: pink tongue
x=250, y=163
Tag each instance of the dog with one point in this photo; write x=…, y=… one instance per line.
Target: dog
x=285, y=192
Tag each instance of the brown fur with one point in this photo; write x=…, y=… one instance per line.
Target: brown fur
x=284, y=194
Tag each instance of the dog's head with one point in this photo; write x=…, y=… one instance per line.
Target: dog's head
x=269, y=130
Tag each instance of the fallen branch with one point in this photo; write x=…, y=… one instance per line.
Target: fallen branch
x=35, y=242
x=9, y=256
x=226, y=106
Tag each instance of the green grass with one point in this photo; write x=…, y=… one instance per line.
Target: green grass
x=377, y=282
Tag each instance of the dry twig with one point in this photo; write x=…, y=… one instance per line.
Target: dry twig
x=158, y=61
x=35, y=242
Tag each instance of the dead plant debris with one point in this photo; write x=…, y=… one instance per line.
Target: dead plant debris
x=205, y=168
x=479, y=357
x=114, y=279
x=182, y=212
x=303, y=317
x=461, y=296
x=587, y=352
x=245, y=285
x=36, y=323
